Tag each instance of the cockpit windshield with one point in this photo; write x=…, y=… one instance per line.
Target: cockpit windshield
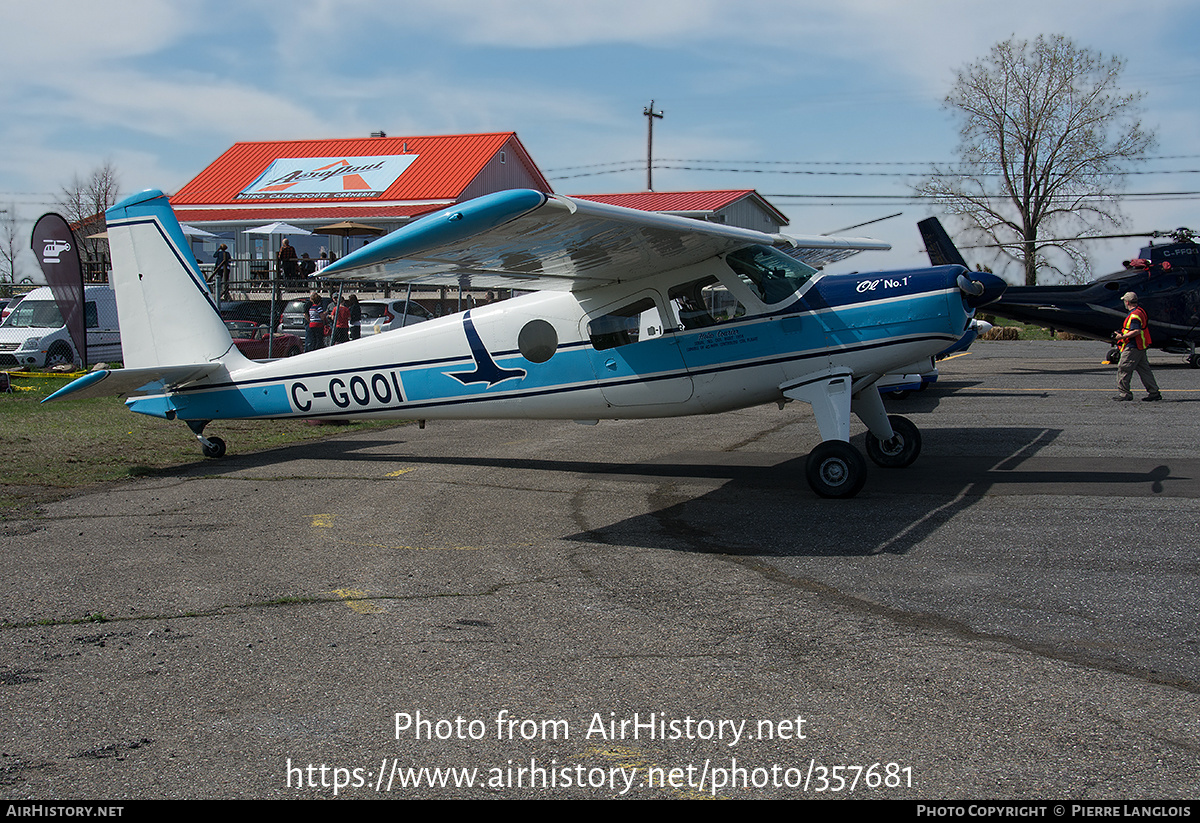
x=773, y=275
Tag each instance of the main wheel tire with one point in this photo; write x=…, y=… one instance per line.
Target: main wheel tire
x=1194, y=361
x=836, y=469
x=901, y=450
x=1113, y=355
x=215, y=449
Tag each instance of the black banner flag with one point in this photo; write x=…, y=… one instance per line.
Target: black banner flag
x=58, y=253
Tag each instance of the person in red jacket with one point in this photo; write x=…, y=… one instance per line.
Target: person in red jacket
x=1134, y=339
x=340, y=315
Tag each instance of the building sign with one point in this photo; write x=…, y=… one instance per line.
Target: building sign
x=320, y=178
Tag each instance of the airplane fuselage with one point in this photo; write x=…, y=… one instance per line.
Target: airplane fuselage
x=690, y=341
x=632, y=315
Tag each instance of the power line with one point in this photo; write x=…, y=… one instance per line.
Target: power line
x=903, y=199
x=813, y=173
x=925, y=163
x=821, y=173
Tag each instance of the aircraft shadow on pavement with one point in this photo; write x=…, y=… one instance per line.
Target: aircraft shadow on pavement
x=765, y=506
x=771, y=512
x=926, y=400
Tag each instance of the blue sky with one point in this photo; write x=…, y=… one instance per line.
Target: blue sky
x=160, y=89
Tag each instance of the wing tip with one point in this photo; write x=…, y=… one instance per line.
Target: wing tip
x=78, y=384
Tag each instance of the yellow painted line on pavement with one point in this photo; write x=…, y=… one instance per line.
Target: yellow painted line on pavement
x=357, y=601
x=1108, y=390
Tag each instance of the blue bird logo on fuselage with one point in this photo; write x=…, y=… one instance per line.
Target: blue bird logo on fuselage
x=486, y=370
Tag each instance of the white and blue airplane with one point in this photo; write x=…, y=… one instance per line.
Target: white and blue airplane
x=632, y=315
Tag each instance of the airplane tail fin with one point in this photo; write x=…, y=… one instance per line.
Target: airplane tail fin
x=167, y=315
x=942, y=251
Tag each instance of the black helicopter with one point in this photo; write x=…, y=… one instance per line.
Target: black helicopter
x=1166, y=279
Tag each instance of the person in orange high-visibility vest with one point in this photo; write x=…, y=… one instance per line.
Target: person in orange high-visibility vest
x=1134, y=339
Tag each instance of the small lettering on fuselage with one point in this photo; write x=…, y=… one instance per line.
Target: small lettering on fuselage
x=881, y=283
x=359, y=391
x=718, y=338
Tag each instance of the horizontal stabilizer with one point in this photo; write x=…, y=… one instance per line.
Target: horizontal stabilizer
x=123, y=382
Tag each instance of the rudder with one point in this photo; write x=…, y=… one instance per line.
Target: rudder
x=167, y=315
x=939, y=246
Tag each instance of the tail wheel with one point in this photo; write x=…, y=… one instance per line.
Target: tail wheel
x=836, y=469
x=901, y=450
x=215, y=448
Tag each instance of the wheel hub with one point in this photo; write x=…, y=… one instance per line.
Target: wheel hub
x=834, y=472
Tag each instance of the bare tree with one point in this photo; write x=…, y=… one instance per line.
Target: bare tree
x=83, y=204
x=1045, y=135
x=10, y=247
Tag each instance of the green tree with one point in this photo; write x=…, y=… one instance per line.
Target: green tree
x=1045, y=136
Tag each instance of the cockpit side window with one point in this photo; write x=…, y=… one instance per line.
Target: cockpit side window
x=705, y=302
x=625, y=325
x=773, y=275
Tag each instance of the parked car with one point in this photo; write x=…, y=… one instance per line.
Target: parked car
x=253, y=340
x=35, y=334
x=8, y=308
x=257, y=310
x=294, y=318
x=379, y=316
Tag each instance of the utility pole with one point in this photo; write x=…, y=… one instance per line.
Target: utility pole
x=650, y=114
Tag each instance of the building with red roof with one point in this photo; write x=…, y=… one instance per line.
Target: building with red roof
x=383, y=181
x=386, y=182
x=744, y=208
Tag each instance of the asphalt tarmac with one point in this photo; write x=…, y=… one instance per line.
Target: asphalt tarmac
x=649, y=609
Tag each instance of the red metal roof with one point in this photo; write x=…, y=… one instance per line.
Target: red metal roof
x=444, y=167
x=293, y=213
x=683, y=201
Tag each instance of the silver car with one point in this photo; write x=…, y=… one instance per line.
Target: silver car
x=379, y=316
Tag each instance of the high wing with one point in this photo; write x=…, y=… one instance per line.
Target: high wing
x=524, y=239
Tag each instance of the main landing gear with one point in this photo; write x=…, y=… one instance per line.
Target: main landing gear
x=835, y=468
x=901, y=450
x=213, y=447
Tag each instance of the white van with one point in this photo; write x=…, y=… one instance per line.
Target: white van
x=34, y=334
